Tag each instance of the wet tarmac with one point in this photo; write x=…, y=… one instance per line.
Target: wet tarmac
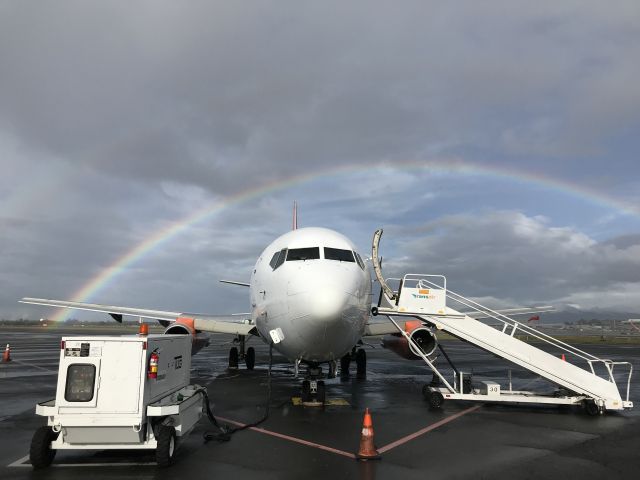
x=461, y=440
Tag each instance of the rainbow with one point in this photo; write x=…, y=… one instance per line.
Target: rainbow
x=450, y=166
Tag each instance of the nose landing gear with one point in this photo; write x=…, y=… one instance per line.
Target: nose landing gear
x=313, y=389
x=313, y=392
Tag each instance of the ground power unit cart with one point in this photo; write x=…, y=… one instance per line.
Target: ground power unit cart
x=120, y=392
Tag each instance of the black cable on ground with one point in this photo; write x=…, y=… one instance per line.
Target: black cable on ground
x=225, y=430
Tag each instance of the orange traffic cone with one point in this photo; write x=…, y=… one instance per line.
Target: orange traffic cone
x=563, y=358
x=6, y=356
x=367, y=448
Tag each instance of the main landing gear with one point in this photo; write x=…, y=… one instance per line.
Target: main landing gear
x=360, y=356
x=236, y=354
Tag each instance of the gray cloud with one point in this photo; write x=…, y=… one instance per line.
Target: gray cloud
x=195, y=93
x=509, y=256
x=117, y=119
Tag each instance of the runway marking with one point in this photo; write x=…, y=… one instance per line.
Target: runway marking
x=339, y=402
x=21, y=463
x=433, y=426
x=386, y=448
x=34, y=366
x=292, y=439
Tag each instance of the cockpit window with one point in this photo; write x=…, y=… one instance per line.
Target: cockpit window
x=311, y=253
x=338, y=254
x=278, y=258
x=359, y=260
x=274, y=259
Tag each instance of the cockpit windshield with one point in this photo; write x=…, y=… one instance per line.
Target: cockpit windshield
x=311, y=253
x=278, y=258
x=338, y=254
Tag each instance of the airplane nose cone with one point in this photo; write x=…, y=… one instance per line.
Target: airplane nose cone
x=332, y=326
x=327, y=303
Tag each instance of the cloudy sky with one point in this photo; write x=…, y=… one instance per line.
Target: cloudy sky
x=497, y=143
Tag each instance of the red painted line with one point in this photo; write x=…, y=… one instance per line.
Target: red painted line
x=291, y=439
x=433, y=426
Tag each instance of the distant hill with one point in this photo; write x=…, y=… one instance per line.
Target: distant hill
x=574, y=315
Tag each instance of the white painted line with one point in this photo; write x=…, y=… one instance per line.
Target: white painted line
x=21, y=463
x=38, y=358
x=34, y=366
x=111, y=464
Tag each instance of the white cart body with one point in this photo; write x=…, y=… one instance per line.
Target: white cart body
x=106, y=400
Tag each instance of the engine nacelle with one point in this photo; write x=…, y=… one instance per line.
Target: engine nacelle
x=199, y=339
x=424, y=337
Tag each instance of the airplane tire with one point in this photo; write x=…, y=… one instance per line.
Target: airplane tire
x=321, y=395
x=436, y=400
x=361, y=363
x=306, y=391
x=345, y=362
x=41, y=454
x=165, y=451
x=233, y=357
x=426, y=392
x=250, y=358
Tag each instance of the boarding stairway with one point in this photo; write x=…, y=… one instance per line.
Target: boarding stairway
x=426, y=298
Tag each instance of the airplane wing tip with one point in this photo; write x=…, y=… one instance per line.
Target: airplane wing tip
x=233, y=282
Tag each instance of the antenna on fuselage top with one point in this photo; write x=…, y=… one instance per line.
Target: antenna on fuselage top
x=295, y=216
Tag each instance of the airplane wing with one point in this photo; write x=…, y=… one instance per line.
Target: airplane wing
x=203, y=322
x=379, y=328
x=387, y=328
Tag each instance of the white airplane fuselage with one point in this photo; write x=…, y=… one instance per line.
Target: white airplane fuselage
x=312, y=285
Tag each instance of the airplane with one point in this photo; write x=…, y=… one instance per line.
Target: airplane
x=310, y=293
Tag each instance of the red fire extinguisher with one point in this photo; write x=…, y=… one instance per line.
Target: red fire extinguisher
x=152, y=372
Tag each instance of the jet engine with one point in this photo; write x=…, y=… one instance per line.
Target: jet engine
x=421, y=335
x=185, y=327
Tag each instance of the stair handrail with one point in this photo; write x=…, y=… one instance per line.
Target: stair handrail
x=510, y=321
x=524, y=327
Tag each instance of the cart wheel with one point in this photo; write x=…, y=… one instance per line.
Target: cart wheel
x=435, y=400
x=591, y=408
x=250, y=358
x=41, y=454
x=166, y=446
